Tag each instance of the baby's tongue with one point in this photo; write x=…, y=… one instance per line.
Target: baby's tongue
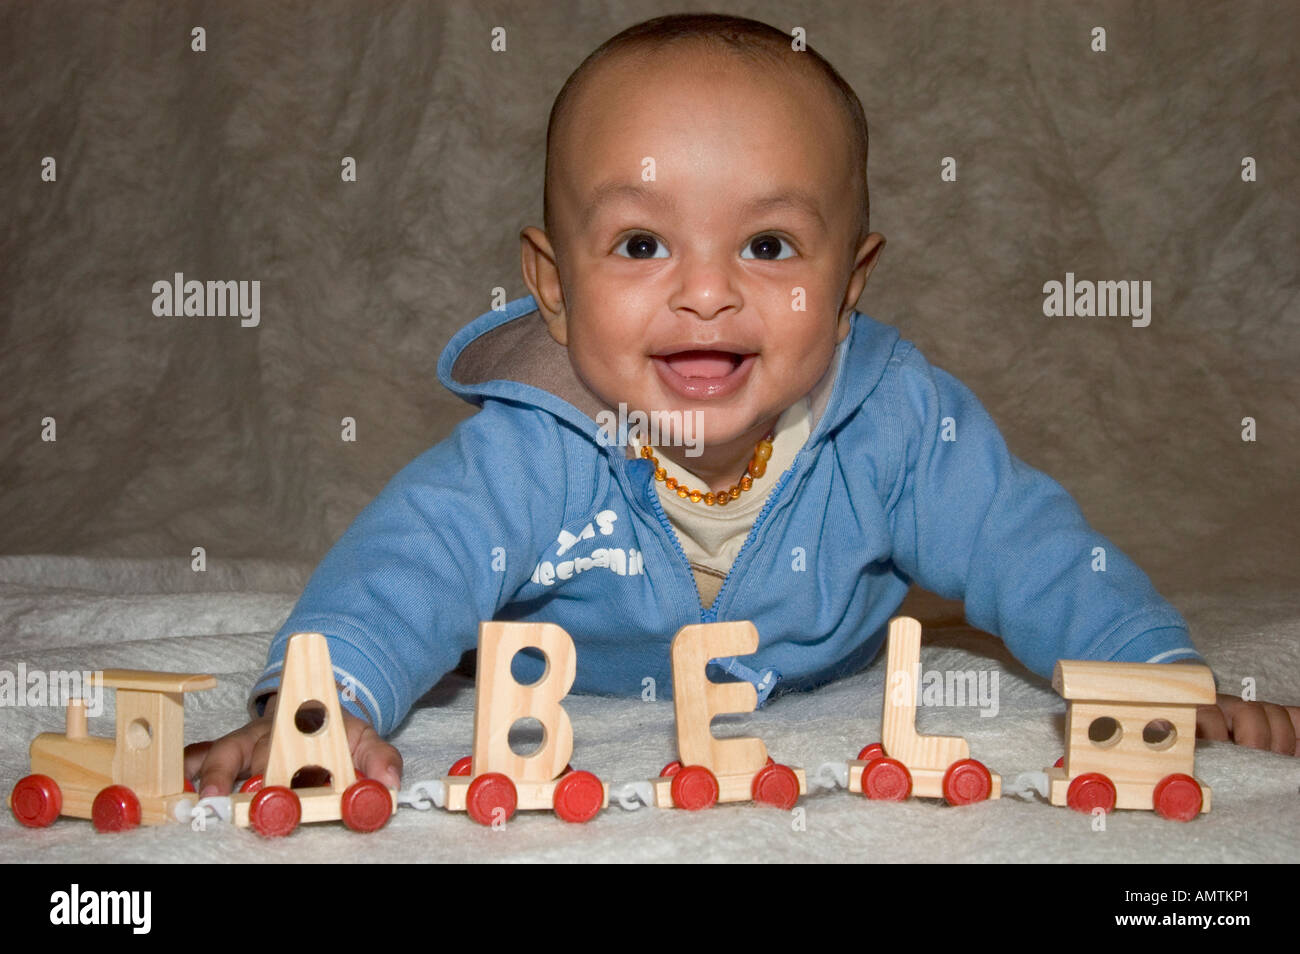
x=701, y=364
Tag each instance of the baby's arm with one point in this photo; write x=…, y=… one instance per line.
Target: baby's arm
x=972, y=522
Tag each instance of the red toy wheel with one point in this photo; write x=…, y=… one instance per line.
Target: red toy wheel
x=1059, y=763
x=253, y=784
x=36, y=801
x=1091, y=790
x=967, y=781
x=694, y=787
x=366, y=805
x=1178, y=797
x=275, y=811
x=189, y=787
x=775, y=785
x=578, y=796
x=115, y=809
x=886, y=780
x=873, y=751
x=487, y=794
x=671, y=769
x=462, y=766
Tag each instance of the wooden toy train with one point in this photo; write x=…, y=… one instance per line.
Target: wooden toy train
x=136, y=779
x=1130, y=733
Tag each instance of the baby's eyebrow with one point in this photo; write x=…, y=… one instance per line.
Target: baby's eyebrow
x=612, y=191
x=797, y=199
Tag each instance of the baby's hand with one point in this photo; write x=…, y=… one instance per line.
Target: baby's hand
x=244, y=752
x=1259, y=725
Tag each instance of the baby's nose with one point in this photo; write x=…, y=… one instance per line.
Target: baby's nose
x=707, y=289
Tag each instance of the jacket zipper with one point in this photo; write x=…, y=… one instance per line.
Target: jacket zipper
x=772, y=499
x=708, y=614
x=677, y=545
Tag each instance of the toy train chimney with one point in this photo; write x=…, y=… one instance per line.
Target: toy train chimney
x=76, y=719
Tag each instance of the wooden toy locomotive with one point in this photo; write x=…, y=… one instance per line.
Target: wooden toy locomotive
x=134, y=779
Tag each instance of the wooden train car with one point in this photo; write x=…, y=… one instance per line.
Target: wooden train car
x=708, y=769
x=495, y=781
x=1131, y=737
x=907, y=763
x=309, y=772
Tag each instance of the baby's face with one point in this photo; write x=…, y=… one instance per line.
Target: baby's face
x=703, y=252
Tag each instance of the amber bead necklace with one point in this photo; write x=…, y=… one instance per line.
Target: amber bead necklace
x=757, y=467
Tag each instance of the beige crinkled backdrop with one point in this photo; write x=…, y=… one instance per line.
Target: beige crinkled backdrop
x=174, y=433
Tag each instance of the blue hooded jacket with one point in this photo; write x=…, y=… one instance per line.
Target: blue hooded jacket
x=527, y=512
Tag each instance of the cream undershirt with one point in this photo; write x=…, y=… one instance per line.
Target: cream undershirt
x=713, y=536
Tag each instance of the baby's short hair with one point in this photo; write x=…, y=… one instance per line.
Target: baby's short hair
x=751, y=39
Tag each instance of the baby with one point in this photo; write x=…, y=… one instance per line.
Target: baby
x=687, y=421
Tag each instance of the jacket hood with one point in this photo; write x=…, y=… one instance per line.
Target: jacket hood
x=510, y=355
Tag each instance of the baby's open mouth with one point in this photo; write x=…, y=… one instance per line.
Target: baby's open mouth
x=702, y=364
x=702, y=373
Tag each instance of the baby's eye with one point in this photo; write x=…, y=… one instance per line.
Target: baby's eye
x=767, y=248
x=642, y=246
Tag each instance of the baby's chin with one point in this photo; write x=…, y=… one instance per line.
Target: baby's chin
x=717, y=428
x=662, y=421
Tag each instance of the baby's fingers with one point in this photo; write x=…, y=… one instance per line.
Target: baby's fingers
x=373, y=757
x=219, y=763
x=1293, y=716
x=1261, y=725
x=1282, y=729
x=1249, y=725
x=195, y=753
x=1211, y=724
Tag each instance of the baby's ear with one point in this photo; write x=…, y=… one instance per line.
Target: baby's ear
x=864, y=260
x=542, y=277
